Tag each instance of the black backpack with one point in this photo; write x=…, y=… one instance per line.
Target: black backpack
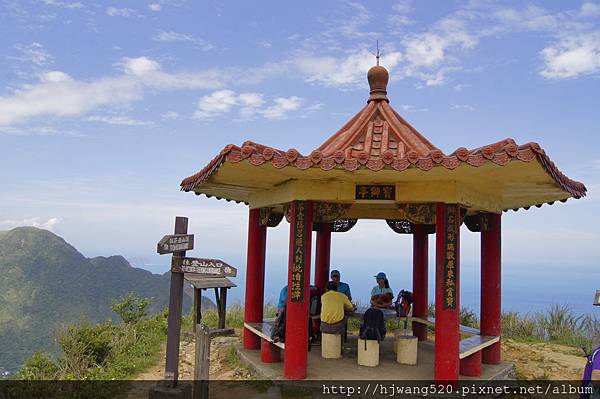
x=278, y=331
x=373, y=326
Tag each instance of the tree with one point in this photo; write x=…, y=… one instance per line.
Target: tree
x=131, y=308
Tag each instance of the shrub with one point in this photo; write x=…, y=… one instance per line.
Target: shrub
x=131, y=308
x=39, y=367
x=85, y=346
x=468, y=318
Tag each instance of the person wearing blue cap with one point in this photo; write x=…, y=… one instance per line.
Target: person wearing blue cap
x=382, y=295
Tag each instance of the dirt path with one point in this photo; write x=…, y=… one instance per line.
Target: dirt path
x=224, y=364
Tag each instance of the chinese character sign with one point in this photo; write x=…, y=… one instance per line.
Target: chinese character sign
x=301, y=232
x=375, y=192
x=450, y=256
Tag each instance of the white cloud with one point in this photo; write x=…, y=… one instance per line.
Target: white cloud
x=249, y=105
x=170, y=37
x=169, y=115
x=140, y=66
x=119, y=120
x=47, y=224
x=465, y=107
x=281, y=107
x=34, y=53
x=121, y=12
x=343, y=72
x=412, y=108
x=218, y=102
x=64, y=4
x=58, y=94
x=37, y=131
x=572, y=56
x=155, y=7
x=590, y=9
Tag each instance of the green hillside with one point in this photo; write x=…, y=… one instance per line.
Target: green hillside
x=46, y=283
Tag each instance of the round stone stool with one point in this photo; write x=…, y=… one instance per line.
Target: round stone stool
x=368, y=352
x=406, y=349
x=331, y=346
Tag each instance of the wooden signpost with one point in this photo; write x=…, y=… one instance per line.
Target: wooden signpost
x=175, y=243
x=204, y=267
x=202, y=273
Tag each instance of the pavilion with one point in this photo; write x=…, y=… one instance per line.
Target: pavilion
x=377, y=166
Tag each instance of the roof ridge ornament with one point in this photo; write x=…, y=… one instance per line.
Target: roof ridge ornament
x=378, y=78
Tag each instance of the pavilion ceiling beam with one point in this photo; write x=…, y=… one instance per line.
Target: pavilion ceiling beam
x=332, y=191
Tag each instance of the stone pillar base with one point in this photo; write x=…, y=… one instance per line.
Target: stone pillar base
x=183, y=390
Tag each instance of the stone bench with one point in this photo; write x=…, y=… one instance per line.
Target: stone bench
x=263, y=330
x=469, y=346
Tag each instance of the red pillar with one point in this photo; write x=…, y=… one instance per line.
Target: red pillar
x=322, y=256
x=269, y=353
x=420, y=291
x=255, y=277
x=322, y=262
x=471, y=365
x=447, y=302
x=490, y=286
x=296, y=332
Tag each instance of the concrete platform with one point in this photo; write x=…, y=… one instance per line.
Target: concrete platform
x=347, y=368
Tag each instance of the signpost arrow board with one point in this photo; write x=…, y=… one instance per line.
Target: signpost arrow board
x=204, y=267
x=175, y=243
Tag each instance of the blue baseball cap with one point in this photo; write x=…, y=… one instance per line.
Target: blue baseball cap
x=380, y=275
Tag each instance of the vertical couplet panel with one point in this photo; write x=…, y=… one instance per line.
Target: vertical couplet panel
x=447, y=304
x=296, y=333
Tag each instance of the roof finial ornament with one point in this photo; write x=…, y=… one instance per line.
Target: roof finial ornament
x=378, y=78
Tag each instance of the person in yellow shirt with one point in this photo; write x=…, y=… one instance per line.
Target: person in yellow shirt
x=333, y=307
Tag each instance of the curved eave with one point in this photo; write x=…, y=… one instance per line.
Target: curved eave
x=502, y=153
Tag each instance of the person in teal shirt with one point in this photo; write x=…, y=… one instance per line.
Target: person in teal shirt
x=340, y=286
x=382, y=295
x=282, y=300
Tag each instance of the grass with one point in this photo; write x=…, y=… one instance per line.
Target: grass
x=559, y=324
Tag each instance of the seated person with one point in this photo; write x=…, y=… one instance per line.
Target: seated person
x=333, y=305
x=341, y=287
x=382, y=295
x=281, y=301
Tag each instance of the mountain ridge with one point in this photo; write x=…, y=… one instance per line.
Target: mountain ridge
x=45, y=283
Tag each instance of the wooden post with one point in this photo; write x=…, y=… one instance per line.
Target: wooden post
x=202, y=366
x=447, y=304
x=174, y=318
x=420, y=280
x=296, y=332
x=491, y=286
x=197, y=305
x=255, y=277
x=223, y=314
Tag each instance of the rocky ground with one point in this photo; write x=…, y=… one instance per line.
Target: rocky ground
x=543, y=360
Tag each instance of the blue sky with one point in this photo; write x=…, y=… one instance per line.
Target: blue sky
x=105, y=107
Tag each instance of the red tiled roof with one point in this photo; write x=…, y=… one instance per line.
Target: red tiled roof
x=379, y=138
x=500, y=153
